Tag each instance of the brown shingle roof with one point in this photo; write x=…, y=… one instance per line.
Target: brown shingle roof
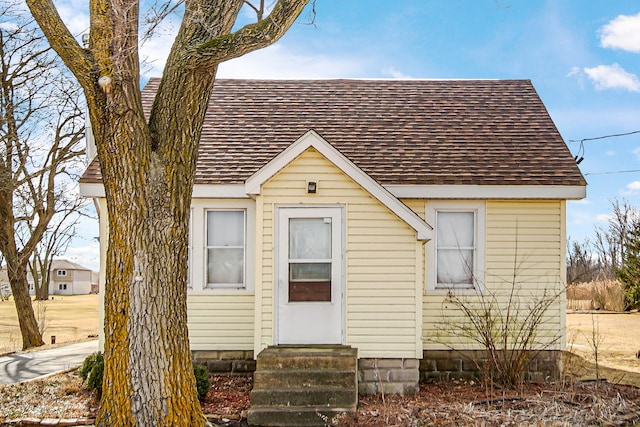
x=485, y=132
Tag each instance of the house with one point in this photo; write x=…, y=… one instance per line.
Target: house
x=347, y=211
x=66, y=278
x=70, y=278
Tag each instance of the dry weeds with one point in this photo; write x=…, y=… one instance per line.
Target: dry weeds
x=438, y=403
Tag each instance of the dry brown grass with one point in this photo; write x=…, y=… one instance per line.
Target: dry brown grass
x=69, y=318
x=601, y=295
x=618, y=335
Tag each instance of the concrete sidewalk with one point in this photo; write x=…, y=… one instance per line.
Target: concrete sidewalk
x=30, y=365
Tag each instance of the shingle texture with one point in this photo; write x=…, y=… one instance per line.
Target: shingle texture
x=425, y=132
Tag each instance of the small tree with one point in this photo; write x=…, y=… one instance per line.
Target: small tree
x=629, y=273
x=41, y=128
x=54, y=242
x=582, y=264
x=611, y=241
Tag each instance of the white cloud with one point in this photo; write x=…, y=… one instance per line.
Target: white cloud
x=87, y=256
x=610, y=153
x=393, y=73
x=636, y=152
x=75, y=15
x=631, y=188
x=278, y=62
x=603, y=217
x=622, y=33
x=613, y=77
x=575, y=71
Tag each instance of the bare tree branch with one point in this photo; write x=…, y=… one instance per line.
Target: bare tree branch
x=247, y=39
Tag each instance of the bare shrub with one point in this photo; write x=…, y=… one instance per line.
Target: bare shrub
x=41, y=315
x=508, y=327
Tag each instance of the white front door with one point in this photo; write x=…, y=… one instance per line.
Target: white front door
x=309, y=275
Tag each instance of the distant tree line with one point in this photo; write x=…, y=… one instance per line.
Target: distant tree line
x=613, y=253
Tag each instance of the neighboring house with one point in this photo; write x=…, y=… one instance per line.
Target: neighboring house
x=67, y=278
x=5, y=286
x=70, y=278
x=345, y=211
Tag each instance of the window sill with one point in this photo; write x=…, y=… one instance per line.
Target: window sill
x=455, y=291
x=220, y=291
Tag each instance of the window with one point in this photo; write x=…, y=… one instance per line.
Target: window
x=62, y=287
x=455, y=258
x=310, y=259
x=61, y=273
x=225, y=253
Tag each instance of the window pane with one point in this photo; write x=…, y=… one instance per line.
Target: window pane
x=310, y=271
x=309, y=238
x=455, y=229
x=225, y=266
x=225, y=228
x=455, y=267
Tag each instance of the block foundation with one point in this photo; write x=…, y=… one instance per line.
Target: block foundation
x=471, y=364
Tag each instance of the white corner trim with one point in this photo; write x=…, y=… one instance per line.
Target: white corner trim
x=488, y=191
x=312, y=139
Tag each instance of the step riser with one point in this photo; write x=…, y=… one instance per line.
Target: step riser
x=313, y=398
x=287, y=417
x=304, y=379
x=269, y=363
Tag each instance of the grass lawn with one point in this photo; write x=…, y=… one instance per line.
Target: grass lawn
x=69, y=318
x=616, y=335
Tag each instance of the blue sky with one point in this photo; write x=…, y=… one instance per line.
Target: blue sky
x=583, y=58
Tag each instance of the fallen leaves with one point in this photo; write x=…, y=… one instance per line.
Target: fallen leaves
x=439, y=403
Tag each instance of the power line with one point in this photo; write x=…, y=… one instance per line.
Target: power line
x=604, y=137
x=611, y=172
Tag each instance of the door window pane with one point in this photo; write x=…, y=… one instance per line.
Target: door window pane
x=310, y=271
x=309, y=259
x=309, y=238
x=225, y=248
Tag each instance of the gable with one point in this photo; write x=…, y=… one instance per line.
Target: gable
x=311, y=139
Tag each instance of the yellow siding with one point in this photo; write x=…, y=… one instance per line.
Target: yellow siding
x=524, y=245
x=382, y=262
x=220, y=321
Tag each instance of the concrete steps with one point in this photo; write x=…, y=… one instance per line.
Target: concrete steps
x=303, y=386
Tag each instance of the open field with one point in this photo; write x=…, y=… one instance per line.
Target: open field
x=617, y=335
x=69, y=318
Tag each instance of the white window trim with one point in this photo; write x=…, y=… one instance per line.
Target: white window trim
x=197, y=263
x=243, y=247
x=61, y=273
x=479, y=209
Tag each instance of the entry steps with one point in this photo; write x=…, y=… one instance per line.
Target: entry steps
x=303, y=385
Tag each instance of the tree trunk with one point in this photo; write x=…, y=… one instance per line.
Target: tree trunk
x=148, y=170
x=149, y=378
x=31, y=336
